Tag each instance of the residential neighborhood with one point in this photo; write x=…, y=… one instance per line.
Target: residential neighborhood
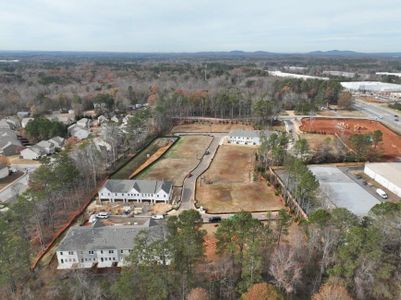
x=200, y=150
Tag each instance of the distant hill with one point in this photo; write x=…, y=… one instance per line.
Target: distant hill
x=188, y=55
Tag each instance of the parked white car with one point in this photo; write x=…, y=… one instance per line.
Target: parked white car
x=157, y=217
x=382, y=193
x=103, y=215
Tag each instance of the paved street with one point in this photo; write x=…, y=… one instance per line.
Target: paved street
x=379, y=113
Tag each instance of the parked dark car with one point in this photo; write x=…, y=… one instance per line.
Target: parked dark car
x=214, y=219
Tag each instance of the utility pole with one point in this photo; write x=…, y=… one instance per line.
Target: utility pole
x=205, y=72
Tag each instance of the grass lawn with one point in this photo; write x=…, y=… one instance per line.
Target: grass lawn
x=229, y=184
x=183, y=157
x=140, y=158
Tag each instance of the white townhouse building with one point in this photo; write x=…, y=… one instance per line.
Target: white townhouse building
x=103, y=246
x=152, y=191
x=244, y=137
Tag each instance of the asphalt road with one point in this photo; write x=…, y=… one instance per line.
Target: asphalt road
x=378, y=113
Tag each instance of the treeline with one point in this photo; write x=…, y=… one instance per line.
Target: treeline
x=303, y=96
x=299, y=181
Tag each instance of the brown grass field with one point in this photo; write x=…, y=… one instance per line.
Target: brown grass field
x=315, y=141
x=209, y=127
x=228, y=185
x=179, y=160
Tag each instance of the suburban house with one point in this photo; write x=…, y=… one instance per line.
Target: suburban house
x=102, y=246
x=33, y=153
x=4, y=172
x=79, y=132
x=9, y=142
x=136, y=190
x=47, y=146
x=244, y=137
x=9, y=123
x=57, y=141
x=84, y=123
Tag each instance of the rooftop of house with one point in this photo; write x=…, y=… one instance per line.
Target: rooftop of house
x=45, y=144
x=8, y=137
x=109, y=237
x=57, y=139
x=142, y=186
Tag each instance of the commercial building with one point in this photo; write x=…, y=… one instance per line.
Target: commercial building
x=386, y=174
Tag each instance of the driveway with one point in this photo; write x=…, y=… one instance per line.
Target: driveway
x=188, y=188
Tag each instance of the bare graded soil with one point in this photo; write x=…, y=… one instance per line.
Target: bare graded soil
x=391, y=144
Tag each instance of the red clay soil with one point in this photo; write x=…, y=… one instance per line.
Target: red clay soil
x=391, y=144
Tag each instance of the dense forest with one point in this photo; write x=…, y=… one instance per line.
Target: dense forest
x=223, y=87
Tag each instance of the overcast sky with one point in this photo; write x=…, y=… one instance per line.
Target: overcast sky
x=201, y=25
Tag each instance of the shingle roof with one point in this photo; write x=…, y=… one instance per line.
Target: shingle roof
x=8, y=136
x=142, y=186
x=109, y=237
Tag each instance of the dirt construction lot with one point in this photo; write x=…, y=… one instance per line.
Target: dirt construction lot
x=229, y=185
x=346, y=127
x=209, y=127
x=178, y=162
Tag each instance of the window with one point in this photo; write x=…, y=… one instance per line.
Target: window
x=121, y=251
x=114, y=258
x=91, y=252
x=165, y=196
x=101, y=251
x=111, y=251
x=70, y=252
x=82, y=260
x=62, y=261
x=61, y=252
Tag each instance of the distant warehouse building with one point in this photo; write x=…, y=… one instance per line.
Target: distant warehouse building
x=386, y=174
